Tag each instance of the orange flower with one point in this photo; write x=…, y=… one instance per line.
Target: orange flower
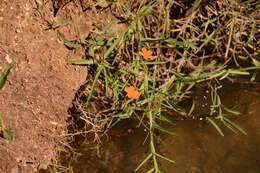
x=147, y=54
x=132, y=93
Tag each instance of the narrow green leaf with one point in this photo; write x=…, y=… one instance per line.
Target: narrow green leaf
x=169, y=84
x=68, y=43
x=243, y=57
x=216, y=126
x=181, y=43
x=192, y=107
x=1, y=122
x=234, y=125
x=196, y=5
x=99, y=70
x=71, y=44
x=256, y=63
x=254, y=75
x=211, y=36
x=165, y=158
x=251, y=68
x=144, y=101
x=211, y=21
x=239, y=72
x=150, y=170
x=231, y=111
x=167, y=120
x=224, y=75
x=143, y=162
x=82, y=62
x=117, y=41
x=164, y=129
x=231, y=30
x=253, y=32
x=107, y=79
x=147, y=9
x=125, y=115
x=230, y=127
x=60, y=24
x=6, y=72
x=8, y=135
x=154, y=63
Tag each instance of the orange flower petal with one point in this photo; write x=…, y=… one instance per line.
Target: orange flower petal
x=147, y=54
x=132, y=93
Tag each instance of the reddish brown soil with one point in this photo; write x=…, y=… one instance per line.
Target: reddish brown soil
x=41, y=86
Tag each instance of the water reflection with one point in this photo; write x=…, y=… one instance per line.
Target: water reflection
x=197, y=148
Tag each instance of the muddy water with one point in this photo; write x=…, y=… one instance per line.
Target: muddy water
x=197, y=148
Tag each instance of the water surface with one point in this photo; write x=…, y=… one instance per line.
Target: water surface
x=197, y=148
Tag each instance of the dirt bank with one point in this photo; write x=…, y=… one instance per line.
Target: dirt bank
x=40, y=88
